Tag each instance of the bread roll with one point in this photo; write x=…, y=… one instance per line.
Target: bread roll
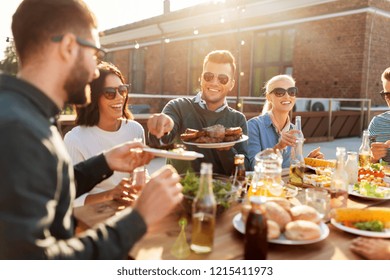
x=302, y=230
x=276, y=213
x=273, y=230
x=304, y=212
x=281, y=201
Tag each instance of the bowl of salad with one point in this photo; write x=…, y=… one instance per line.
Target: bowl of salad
x=224, y=194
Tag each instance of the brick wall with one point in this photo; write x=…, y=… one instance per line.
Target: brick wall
x=340, y=57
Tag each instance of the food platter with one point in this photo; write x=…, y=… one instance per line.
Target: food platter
x=184, y=155
x=240, y=227
x=385, y=234
x=355, y=193
x=217, y=145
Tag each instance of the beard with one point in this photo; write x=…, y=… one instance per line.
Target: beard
x=76, y=85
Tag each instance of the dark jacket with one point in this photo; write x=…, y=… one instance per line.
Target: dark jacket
x=188, y=114
x=38, y=185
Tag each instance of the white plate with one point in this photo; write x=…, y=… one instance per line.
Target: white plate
x=385, y=234
x=217, y=145
x=185, y=155
x=239, y=225
x=352, y=192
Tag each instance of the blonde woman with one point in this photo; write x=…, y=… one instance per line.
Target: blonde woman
x=273, y=129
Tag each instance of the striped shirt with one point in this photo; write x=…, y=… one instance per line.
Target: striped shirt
x=380, y=127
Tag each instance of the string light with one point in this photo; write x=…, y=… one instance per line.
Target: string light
x=242, y=42
x=136, y=46
x=196, y=31
x=222, y=20
x=167, y=40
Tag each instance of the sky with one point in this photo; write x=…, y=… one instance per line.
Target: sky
x=109, y=13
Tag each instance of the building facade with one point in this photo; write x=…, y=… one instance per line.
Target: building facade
x=334, y=49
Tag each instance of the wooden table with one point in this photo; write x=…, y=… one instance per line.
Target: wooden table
x=228, y=242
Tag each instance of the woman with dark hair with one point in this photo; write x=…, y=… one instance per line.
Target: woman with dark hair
x=102, y=124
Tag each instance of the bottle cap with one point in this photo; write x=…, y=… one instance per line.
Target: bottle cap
x=206, y=168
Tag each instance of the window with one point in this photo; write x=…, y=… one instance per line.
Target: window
x=273, y=54
x=138, y=71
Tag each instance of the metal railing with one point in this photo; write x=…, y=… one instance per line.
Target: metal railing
x=138, y=100
x=363, y=104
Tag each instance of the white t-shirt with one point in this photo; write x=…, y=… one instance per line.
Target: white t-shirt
x=84, y=142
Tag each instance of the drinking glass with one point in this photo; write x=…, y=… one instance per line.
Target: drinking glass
x=319, y=199
x=138, y=181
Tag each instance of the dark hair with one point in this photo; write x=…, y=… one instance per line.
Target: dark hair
x=386, y=75
x=89, y=115
x=221, y=56
x=35, y=22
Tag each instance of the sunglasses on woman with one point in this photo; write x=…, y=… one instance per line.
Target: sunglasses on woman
x=222, y=78
x=385, y=95
x=279, y=92
x=110, y=92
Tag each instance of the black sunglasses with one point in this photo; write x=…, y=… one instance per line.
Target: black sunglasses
x=385, y=95
x=110, y=92
x=222, y=78
x=100, y=52
x=279, y=92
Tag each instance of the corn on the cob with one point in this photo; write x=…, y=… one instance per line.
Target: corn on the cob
x=315, y=162
x=362, y=215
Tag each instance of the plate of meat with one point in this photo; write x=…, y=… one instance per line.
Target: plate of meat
x=219, y=144
x=213, y=137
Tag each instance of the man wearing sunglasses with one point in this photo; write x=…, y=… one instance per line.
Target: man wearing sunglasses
x=379, y=127
x=209, y=107
x=57, y=45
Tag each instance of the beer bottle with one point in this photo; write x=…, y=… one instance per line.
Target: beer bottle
x=297, y=163
x=365, y=150
x=256, y=230
x=339, y=182
x=352, y=167
x=239, y=167
x=298, y=126
x=204, y=209
x=238, y=174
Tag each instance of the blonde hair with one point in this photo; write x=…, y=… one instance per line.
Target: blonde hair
x=269, y=86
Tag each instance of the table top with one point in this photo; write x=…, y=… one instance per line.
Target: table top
x=228, y=242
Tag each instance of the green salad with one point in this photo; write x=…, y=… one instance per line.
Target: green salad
x=222, y=188
x=372, y=190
